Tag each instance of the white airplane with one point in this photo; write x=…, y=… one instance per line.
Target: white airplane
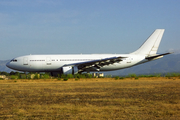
x=72, y=64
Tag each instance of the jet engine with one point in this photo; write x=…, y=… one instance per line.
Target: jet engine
x=70, y=70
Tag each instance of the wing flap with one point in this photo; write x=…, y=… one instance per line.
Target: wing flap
x=96, y=64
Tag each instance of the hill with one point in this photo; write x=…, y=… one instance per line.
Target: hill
x=170, y=63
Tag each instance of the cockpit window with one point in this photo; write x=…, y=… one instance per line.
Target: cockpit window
x=13, y=60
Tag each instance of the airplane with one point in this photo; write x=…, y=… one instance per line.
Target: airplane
x=78, y=63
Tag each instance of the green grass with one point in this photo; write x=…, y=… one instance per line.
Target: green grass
x=14, y=77
x=172, y=75
x=63, y=77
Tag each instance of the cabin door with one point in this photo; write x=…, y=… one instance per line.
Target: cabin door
x=128, y=60
x=48, y=61
x=25, y=61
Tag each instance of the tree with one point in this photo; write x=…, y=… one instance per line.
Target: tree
x=4, y=73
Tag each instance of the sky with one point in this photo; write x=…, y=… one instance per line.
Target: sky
x=85, y=26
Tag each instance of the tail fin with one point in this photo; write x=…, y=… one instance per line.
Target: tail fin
x=150, y=46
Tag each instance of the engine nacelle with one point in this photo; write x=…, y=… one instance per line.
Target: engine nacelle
x=70, y=70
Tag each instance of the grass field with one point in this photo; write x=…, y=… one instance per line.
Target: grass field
x=96, y=98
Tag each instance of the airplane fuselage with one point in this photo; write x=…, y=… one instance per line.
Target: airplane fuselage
x=54, y=63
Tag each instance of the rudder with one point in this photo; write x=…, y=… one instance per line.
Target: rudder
x=151, y=45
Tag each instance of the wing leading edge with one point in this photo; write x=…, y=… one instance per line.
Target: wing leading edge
x=96, y=64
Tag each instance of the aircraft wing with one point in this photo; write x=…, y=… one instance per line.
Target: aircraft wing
x=157, y=56
x=96, y=64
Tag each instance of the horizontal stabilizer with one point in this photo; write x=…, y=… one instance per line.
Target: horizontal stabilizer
x=157, y=56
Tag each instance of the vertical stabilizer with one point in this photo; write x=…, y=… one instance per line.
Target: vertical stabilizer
x=150, y=46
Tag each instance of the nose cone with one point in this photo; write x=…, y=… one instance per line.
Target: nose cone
x=8, y=65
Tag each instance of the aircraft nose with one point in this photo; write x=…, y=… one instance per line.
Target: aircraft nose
x=8, y=65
